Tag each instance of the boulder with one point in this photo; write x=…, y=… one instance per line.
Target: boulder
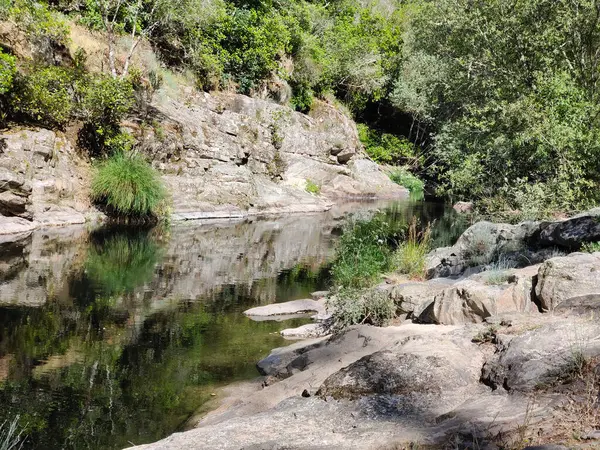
x=463, y=207
x=473, y=299
x=547, y=354
x=419, y=374
x=412, y=296
x=479, y=245
x=569, y=281
x=468, y=301
x=571, y=233
x=287, y=309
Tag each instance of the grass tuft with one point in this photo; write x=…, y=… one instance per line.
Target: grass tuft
x=128, y=186
x=411, y=255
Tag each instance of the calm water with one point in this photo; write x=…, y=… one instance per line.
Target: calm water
x=116, y=337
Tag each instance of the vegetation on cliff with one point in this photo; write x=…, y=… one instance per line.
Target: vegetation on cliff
x=494, y=102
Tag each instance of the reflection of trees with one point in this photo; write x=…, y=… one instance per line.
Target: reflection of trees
x=119, y=263
x=77, y=382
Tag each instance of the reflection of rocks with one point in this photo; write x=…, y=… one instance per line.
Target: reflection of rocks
x=197, y=260
x=36, y=268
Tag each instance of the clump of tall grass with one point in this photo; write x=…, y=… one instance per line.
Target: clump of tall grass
x=128, y=187
x=10, y=437
x=410, y=256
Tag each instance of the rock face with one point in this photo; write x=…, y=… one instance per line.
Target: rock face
x=569, y=282
x=222, y=155
x=41, y=178
x=232, y=155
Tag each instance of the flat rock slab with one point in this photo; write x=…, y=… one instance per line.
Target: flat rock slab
x=287, y=309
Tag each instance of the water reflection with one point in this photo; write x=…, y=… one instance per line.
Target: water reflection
x=116, y=337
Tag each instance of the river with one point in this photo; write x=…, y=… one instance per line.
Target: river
x=111, y=337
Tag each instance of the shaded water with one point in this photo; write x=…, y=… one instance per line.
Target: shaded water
x=116, y=337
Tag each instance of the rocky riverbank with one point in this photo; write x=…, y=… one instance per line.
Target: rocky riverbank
x=220, y=156
x=503, y=352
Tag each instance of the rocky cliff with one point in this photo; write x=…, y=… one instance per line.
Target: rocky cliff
x=221, y=155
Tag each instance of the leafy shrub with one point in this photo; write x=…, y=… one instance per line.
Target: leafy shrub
x=352, y=307
x=44, y=96
x=410, y=255
x=127, y=186
x=363, y=253
x=7, y=72
x=384, y=147
x=46, y=31
x=105, y=103
x=312, y=187
x=591, y=247
x=404, y=178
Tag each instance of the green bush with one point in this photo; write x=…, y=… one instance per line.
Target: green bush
x=363, y=253
x=410, y=256
x=7, y=72
x=404, y=178
x=386, y=148
x=105, y=103
x=591, y=247
x=127, y=186
x=352, y=307
x=44, y=96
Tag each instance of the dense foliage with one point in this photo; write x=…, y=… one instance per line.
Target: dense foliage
x=496, y=101
x=509, y=92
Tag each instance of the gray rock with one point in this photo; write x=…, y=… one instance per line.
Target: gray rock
x=479, y=244
x=318, y=295
x=547, y=354
x=413, y=297
x=285, y=361
x=422, y=373
x=569, y=281
x=310, y=330
x=15, y=195
x=463, y=207
x=473, y=300
x=291, y=308
x=468, y=301
x=571, y=233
